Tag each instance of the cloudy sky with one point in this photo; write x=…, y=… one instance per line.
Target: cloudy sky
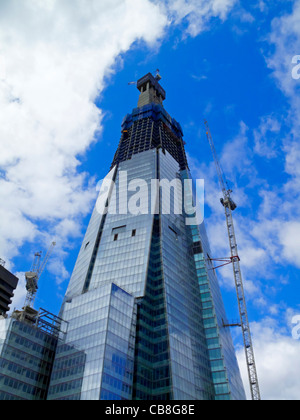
x=64, y=73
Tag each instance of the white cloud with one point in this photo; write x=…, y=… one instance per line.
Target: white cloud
x=266, y=137
x=198, y=13
x=279, y=213
x=277, y=358
x=264, y=240
x=261, y=6
x=268, y=236
x=236, y=157
x=54, y=56
x=290, y=239
x=285, y=40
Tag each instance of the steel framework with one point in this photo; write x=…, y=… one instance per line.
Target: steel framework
x=229, y=207
x=33, y=276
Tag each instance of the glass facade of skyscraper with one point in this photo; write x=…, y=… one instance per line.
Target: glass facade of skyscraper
x=104, y=369
x=144, y=309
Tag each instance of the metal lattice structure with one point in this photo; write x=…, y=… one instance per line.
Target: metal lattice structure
x=229, y=207
x=33, y=276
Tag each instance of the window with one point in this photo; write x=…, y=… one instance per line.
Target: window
x=174, y=231
x=197, y=248
x=116, y=237
x=133, y=233
x=119, y=229
x=86, y=245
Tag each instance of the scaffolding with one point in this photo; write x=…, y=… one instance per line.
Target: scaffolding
x=42, y=320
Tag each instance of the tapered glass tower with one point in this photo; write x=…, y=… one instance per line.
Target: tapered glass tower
x=144, y=308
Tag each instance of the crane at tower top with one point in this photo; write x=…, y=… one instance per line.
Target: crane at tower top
x=155, y=74
x=229, y=206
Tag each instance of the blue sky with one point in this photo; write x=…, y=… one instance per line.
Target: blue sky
x=64, y=73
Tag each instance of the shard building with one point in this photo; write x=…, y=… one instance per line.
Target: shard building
x=144, y=309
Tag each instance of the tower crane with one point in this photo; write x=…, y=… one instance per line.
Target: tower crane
x=32, y=277
x=229, y=206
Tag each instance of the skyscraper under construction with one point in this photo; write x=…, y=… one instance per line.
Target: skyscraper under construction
x=144, y=309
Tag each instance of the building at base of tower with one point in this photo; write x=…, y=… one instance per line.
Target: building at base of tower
x=28, y=344
x=8, y=283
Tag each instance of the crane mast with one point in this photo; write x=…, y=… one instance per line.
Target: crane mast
x=229, y=207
